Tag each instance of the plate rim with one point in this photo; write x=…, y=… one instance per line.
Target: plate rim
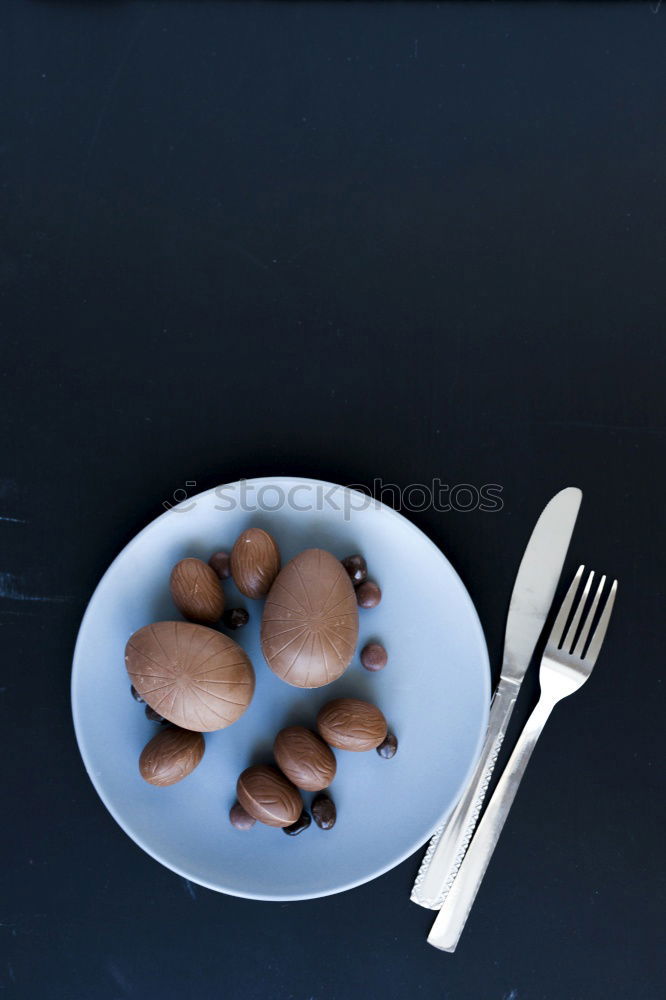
x=297, y=897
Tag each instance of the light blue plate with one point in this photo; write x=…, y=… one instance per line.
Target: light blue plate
x=434, y=693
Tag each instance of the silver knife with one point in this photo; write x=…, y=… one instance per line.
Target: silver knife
x=532, y=597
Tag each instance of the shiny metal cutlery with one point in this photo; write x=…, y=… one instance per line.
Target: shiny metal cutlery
x=565, y=666
x=532, y=597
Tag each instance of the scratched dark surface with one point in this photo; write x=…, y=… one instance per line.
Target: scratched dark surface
x=344, y=241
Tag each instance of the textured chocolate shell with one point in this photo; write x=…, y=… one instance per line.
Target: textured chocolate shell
x=304, y=758
x=351, y=724
x=195, y=677
x=268, y=796
x=171, y=756
x=255, y=562
x=310, y=623
x=196, y=591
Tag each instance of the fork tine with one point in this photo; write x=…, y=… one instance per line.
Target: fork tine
x=582, y=638
x=558, y=628
x=600, y=630
x=573, y=628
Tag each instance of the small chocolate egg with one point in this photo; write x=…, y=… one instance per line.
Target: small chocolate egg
x=304, y=758
x=310, y=622
x=191, y=675
x=268, y=796
x=171, y=756
x=351, y=724
x=196, y=591
x=255, y=562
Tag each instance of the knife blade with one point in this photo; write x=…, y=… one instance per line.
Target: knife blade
x=533, y=592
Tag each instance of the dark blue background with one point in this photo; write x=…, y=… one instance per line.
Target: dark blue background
x=344, y=241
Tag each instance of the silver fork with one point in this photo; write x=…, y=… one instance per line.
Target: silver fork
x=564, y=668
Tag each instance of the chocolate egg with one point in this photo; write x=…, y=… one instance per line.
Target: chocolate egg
x=195, y=677
x=351, y=724
x=268, y=796
x=255, y=562
x=171, y=756
x=304, y=758
x=196, y=591
x=310, y=623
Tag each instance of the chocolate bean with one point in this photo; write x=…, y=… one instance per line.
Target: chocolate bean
x=323, y=811
x=240, y=818
x=221, y=563
x=357, y=568
x=389, y=747
x=155, y=716
x=235, y=618
x=302, y=823
x=368, y=594
x=374, y=656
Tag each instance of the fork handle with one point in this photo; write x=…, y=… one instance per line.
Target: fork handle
x=452, y=917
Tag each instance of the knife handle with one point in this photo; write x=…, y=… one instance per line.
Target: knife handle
x=447, y=847
x=451, y=919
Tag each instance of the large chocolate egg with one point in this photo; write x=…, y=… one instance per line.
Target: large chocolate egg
x=195, y=677
x=310, y=623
